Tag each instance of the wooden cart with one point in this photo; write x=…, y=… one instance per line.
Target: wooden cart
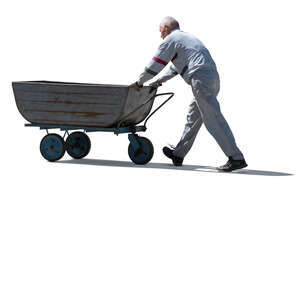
x=88, y=107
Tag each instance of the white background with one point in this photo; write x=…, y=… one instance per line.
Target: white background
x=106, y=229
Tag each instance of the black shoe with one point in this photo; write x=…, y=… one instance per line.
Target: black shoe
x=233, y=164
x=177, y=161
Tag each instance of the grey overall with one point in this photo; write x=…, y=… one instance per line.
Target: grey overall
x=205, y=108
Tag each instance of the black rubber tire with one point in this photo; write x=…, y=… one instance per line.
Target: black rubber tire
x=144, y=154
x=52, y=147
x=78, y=145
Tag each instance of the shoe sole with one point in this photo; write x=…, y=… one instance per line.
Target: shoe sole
x=232, y=169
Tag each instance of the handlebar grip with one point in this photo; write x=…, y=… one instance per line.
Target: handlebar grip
x=152, y=89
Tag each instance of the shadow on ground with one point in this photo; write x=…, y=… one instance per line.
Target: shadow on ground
x=198, y=168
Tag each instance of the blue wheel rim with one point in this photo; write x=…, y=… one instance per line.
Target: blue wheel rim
x=144, y=155
x=52, y=147
x=78, y=145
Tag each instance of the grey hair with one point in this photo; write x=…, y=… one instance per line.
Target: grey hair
x=170, y=21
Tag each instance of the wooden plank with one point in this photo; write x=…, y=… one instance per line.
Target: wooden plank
x=38, y=95
x=70, y=89
x=70, y=119
x=27, y=105
x=67, y=102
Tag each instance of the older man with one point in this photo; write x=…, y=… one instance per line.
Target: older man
x=191, y=59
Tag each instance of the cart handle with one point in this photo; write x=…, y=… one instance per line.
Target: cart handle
x=157, y=95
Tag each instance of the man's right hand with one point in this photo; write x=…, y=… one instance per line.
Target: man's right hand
x=156, y=83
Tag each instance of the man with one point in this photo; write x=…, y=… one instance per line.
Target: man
x=193, y=62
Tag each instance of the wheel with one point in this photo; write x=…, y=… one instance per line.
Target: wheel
x=52, y=147
x=78, y=144
x=144, y=154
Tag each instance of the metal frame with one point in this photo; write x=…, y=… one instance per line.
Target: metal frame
x=116, y=131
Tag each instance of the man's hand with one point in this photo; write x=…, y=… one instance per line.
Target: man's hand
x=156, y=83
x=136, y=86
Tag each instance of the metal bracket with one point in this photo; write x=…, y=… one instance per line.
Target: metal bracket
x=66, y=132
x=134, y=141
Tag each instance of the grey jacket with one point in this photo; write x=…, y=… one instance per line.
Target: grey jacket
x=186, y=53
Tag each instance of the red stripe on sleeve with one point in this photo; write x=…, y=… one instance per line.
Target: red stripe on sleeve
x=174, y=56
x=160, y=61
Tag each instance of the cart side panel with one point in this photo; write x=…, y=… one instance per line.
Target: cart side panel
x=134, y=99
x=70, y=104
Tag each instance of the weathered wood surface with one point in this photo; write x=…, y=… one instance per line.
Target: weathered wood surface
x=95, y=105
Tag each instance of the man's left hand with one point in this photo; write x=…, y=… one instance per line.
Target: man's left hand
x=136, y=86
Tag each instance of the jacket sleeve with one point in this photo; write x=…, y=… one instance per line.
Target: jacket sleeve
x=170, y=73
x=163, y=55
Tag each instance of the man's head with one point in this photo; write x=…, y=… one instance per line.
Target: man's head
x=167, y=25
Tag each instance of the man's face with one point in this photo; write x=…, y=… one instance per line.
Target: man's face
x=164, y=30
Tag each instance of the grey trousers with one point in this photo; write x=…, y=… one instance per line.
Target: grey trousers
x=205, y=108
